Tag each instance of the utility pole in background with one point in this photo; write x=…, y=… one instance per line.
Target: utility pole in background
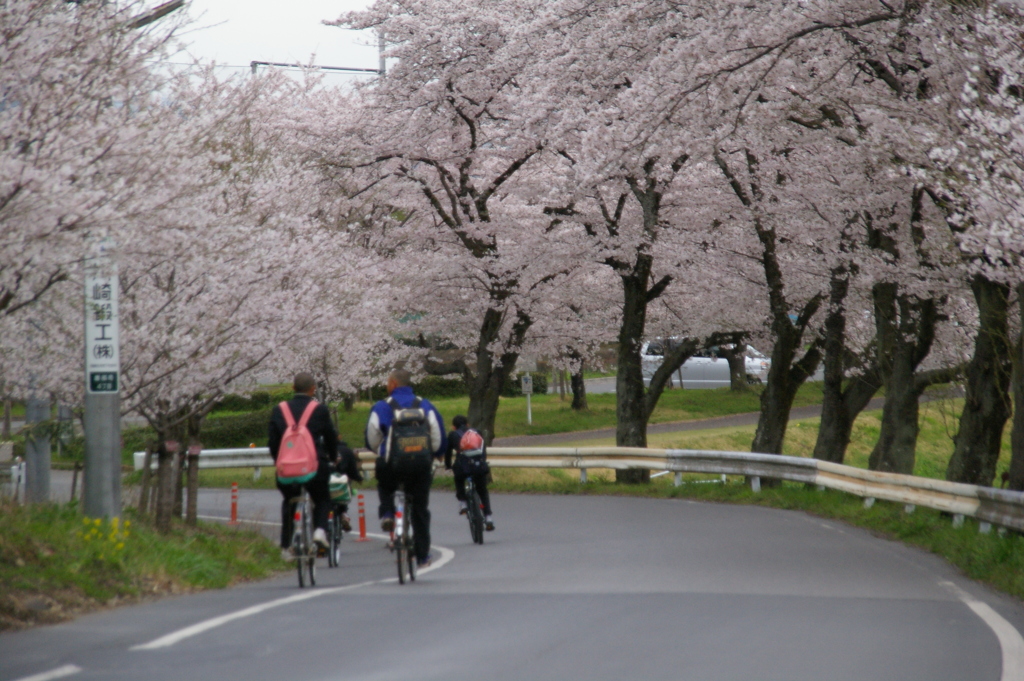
x=102, y=482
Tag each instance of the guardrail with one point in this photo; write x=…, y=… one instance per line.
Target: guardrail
x=988, y=505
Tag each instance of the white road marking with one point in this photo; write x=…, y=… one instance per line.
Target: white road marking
x=58, y=673
x=240, y=522
x=1010, y=640
x=188, y=632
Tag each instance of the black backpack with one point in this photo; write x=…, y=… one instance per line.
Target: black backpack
x=408, y=444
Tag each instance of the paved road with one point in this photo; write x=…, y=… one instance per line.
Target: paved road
x=569, y=588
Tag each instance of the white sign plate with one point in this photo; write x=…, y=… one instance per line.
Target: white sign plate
x=102, y=356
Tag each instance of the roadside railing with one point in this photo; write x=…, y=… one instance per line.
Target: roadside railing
x=990, y=506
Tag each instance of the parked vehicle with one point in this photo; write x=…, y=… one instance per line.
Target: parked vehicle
x=703, y=370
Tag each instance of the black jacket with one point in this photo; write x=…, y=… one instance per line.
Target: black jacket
x=320, y=427
x=348, y=462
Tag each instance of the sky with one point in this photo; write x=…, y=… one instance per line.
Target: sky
x=236, y=32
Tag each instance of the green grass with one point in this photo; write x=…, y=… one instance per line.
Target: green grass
x=55, y=564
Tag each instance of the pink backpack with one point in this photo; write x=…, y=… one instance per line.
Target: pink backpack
x=296, y=459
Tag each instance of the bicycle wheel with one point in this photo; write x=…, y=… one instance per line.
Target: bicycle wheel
x=300, y=557
x=410, y=551
x=311, y=547
x=334, y=541
x=312, y=569
x=299, y=543
x=476, y=517
x=398, y=538
x=402, y=556
x=470, y=491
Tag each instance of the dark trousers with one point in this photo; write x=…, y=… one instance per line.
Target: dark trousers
x=319, y=492
x=417, y=485
x=480, y=480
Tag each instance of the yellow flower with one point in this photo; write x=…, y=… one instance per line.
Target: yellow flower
x=120, y=546
x=97, y=522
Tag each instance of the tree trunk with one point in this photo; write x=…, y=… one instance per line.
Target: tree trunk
x=1017, y=436
x=179, y=473
x=147, y=463
x=348, y=402
x=630, y=413
x=895, y=451
x=736, y=356
x=785, y=375
x=579, y=391
x=5, y=435
x=164, y=485
x=987, y=402
x=484, y=385
x=834, y=432
x=194, y=446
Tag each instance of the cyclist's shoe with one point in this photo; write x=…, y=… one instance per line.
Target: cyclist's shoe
x=424, y=562
x=387, y=523
x=346, y=523
x=320, y=538
x=489, y=524
x=287, y=554
x=463, y=508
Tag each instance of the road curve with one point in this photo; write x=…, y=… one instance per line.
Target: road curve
x=568, y=587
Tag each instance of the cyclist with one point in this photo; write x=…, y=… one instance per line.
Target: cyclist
x=467, y=448
x=416, y=478
x=326, y=439
x=347, y=464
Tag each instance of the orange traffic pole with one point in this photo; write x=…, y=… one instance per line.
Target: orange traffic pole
x=362, y=519
x=234, y=504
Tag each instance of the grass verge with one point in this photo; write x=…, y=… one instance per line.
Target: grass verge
x=55, y=564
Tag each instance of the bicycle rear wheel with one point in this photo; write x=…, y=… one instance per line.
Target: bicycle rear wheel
x=312, y=569
x=476, y=517
x=334, y=541
x=402, y=556
x=410, y=552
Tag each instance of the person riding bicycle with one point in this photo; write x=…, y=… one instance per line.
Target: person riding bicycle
x=347, y=464
x=326, y=439
x=416, y=470
x=467, y=448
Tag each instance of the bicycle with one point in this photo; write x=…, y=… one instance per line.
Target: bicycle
x=402, y=538
x=302, y=541
x=334, y=535
x=341, y=493
x=475, y=512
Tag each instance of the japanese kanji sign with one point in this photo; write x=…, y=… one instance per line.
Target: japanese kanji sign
x=102, y=359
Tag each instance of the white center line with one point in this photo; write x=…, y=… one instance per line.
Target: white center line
x=200, y=627
x=58, y=673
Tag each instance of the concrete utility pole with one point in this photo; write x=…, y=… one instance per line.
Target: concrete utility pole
x=102, y=480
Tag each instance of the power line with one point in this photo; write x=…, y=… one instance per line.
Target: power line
x=345, y=69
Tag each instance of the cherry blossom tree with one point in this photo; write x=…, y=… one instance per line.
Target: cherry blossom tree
x=70, y=131
x=984, y=185
x=454, y=154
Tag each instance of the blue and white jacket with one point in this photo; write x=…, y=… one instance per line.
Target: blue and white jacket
x=380, y=420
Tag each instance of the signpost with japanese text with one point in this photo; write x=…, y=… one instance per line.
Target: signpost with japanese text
x=102, y=496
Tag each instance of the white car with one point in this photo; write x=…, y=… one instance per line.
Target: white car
x=703, y=370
